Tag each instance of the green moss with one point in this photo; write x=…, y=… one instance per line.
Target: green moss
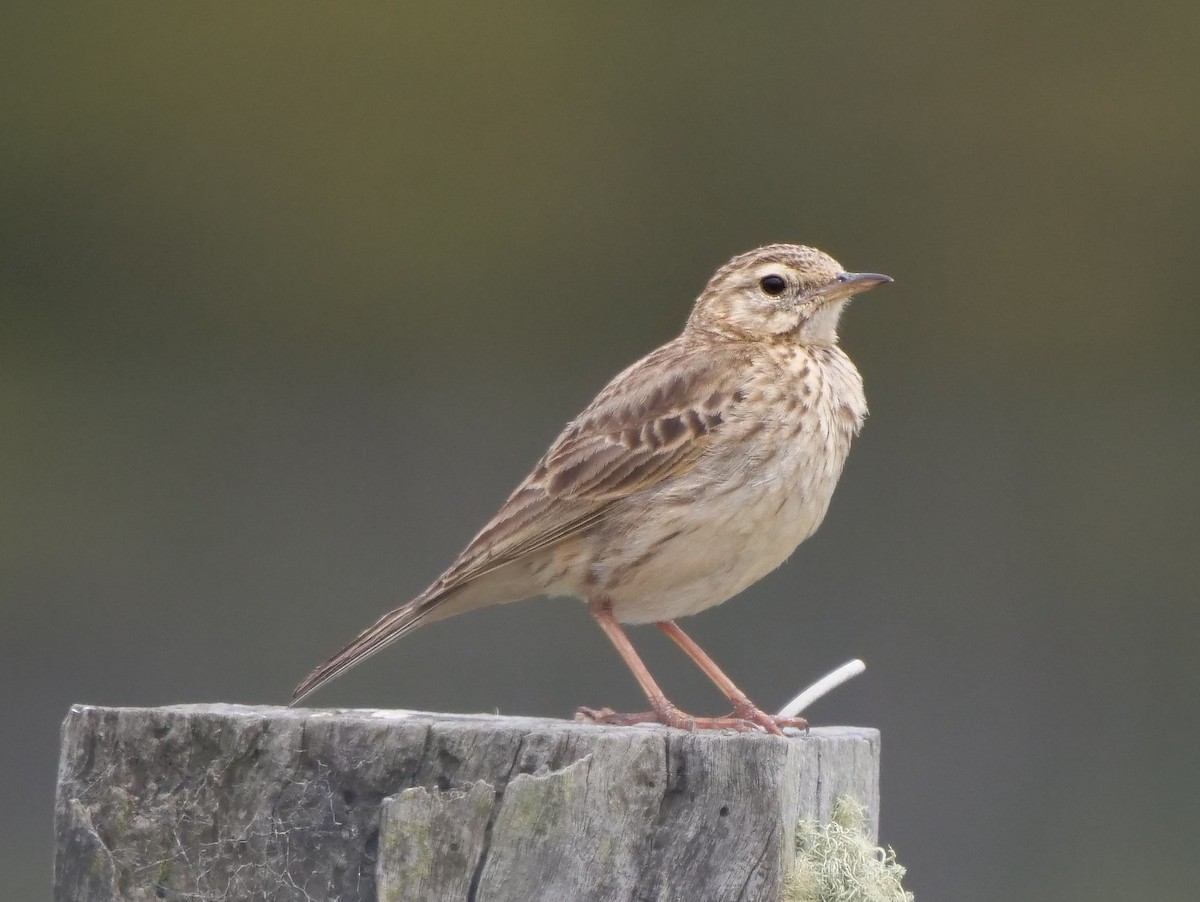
x=836, y=862
x=410, y=841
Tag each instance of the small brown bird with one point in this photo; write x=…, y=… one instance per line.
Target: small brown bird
x=692, y=475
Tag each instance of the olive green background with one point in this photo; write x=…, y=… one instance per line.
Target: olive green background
x=293, y=294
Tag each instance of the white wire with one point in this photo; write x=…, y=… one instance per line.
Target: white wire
x=827, y=683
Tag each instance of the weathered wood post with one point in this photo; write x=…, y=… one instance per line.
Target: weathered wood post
x=232, y=802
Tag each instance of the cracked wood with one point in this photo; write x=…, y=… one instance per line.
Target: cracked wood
x=213, y=802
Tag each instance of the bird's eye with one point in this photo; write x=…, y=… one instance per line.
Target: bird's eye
x=773, y=285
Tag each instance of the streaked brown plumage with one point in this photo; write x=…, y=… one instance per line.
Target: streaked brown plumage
x=693, y=474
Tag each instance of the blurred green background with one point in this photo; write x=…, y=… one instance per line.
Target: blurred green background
x=294, y=294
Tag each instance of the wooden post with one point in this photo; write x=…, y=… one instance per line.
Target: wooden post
x=235, y=802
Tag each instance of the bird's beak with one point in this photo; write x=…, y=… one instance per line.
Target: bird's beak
x=846, y=285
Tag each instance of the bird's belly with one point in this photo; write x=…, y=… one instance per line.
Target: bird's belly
x=685, y=556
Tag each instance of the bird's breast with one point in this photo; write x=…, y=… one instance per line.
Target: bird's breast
x=759, y=492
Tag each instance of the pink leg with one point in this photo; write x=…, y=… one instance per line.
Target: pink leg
x=742, y=706
x=663, y=711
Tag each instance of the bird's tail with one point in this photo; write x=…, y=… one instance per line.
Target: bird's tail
x=390, y=627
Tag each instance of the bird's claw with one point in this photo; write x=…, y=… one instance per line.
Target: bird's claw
x=741, y=721
x=769, y=722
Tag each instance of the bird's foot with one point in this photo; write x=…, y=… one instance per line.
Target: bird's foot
x=771, y=723
x=672, y=717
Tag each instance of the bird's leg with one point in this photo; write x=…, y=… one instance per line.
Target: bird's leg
x=664, y=711
x=743, y=708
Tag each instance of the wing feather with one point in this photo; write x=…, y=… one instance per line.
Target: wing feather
x=652, y=422
x=655, y=420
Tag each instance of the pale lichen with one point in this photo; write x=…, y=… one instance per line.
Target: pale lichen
x=837, y=862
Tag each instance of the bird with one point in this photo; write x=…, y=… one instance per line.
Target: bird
x=694, y=473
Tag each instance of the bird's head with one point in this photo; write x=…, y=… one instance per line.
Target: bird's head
x=782, y=292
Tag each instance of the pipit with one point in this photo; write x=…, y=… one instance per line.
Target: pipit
x=692, y=475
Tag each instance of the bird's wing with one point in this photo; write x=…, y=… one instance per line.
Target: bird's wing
x=653, y=421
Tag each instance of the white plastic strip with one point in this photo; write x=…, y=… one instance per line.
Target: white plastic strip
x=827, y=683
